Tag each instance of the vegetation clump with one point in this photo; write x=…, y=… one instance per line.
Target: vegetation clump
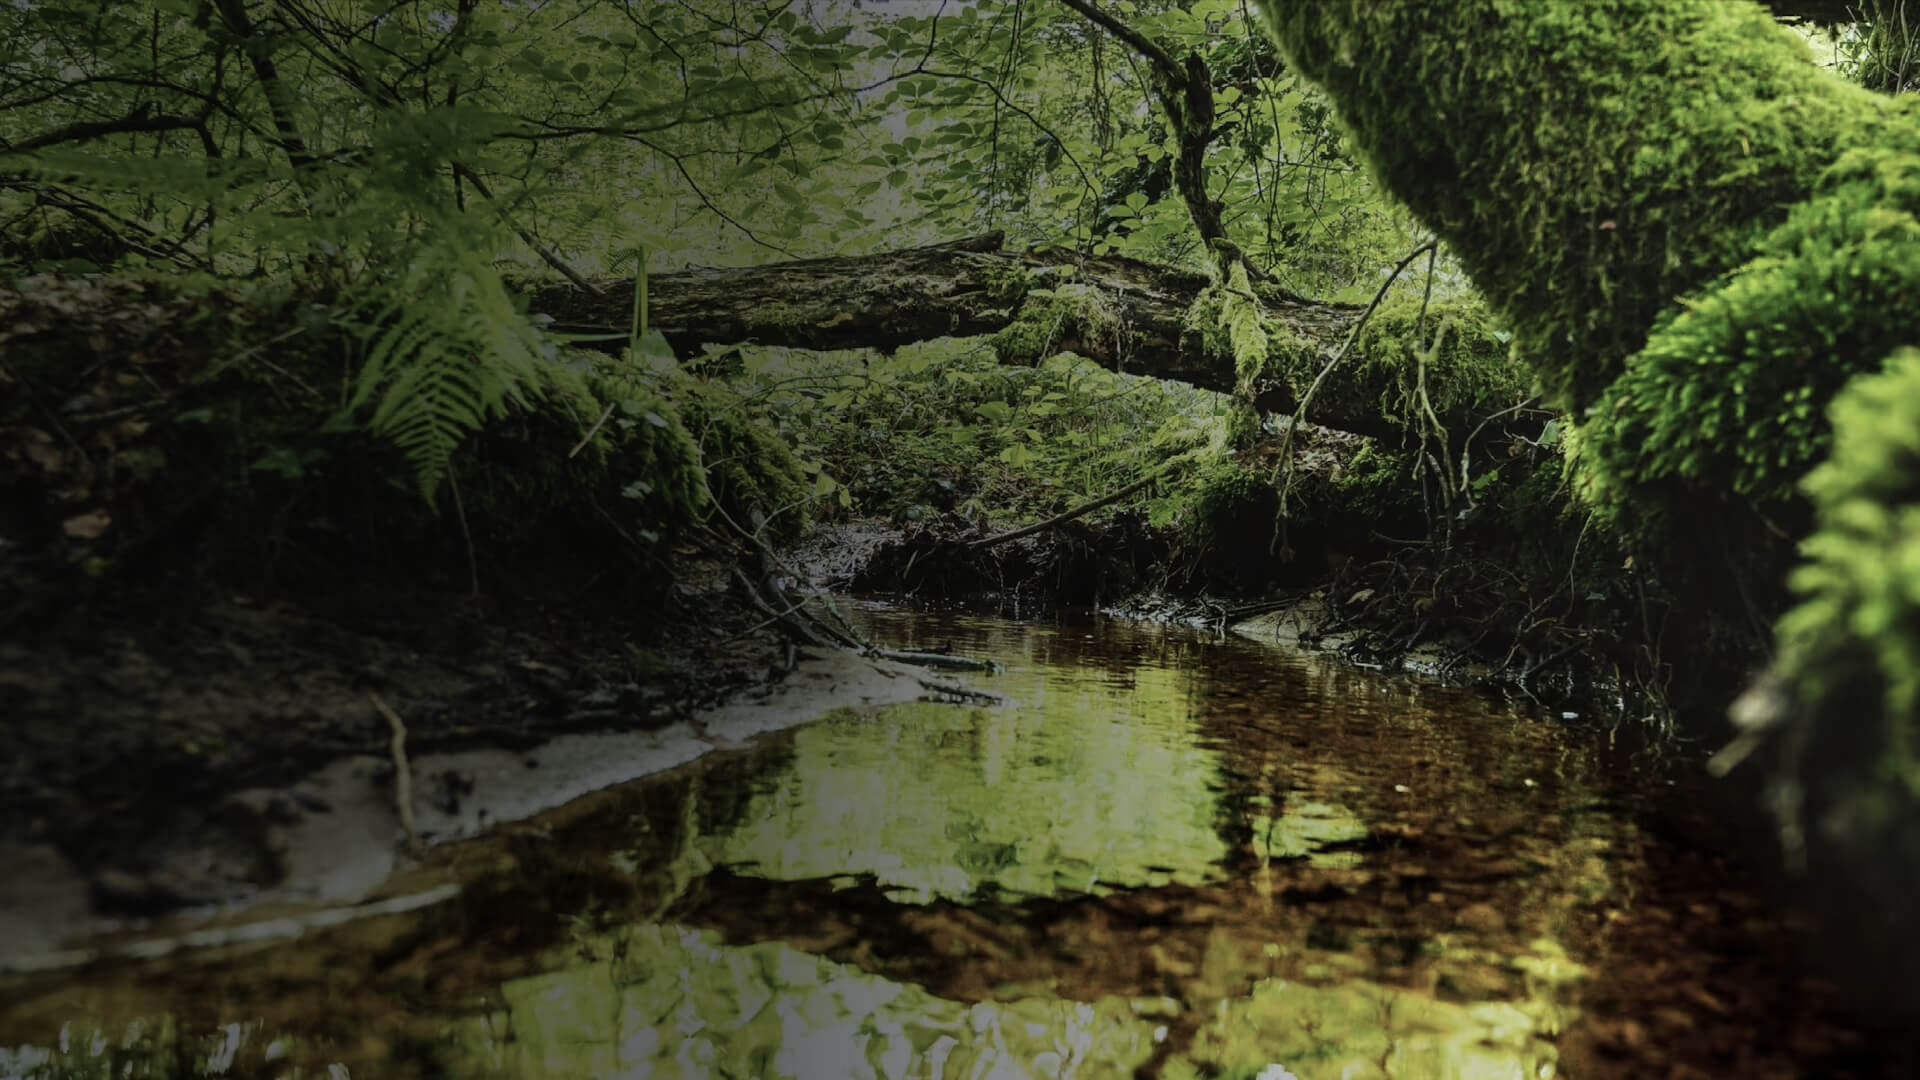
x=1588, y=164
x=1855, y=634
x=1053, y=319
x=1726, y=403
x=174, y=414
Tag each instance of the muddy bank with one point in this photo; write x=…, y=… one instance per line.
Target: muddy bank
x=214, y=581
x=277, y=858
x=132, y=742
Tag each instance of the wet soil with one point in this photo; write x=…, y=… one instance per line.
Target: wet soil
x=130, y=735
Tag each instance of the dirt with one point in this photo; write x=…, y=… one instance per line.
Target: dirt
x=131, y=739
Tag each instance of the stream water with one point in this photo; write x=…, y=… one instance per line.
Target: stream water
x=1171, y=855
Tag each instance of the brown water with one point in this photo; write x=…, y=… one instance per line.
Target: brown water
x=1173, y=855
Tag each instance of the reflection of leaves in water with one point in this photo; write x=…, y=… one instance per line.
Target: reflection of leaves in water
x=1364, y=1030
x=769, y=1011
x=986, y=858
x=962, y=826
x=972, y=797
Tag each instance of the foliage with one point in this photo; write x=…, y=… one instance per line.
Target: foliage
x=406, y=153
x=1248, y=343
x=1040, y=438
x=446, y=350
x=1856, y=631
x=1880, y=50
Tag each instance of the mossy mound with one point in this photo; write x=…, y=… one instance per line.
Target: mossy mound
x=1724, y=411
x=167, y=433
x=1587, y=162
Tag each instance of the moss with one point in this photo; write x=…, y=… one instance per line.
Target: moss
x=1707, y=247
x=1857, y=626
x=1205, y=325
x=1373, y=486
x=1232, y=508
x=1588, y=162
x=1469, y=373
x=1050, y=317
x=1726, y=404
x=1248, y=343
x=1008, y=284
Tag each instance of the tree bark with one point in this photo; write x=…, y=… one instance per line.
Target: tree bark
x=962, y=289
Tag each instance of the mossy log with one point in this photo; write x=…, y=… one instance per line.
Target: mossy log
x=1120, y=313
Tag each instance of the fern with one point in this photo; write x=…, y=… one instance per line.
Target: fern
x=446, y=351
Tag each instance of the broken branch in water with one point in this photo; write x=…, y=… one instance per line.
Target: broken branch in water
x=933, y=660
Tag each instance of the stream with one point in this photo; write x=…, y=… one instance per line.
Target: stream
x=1171, y=854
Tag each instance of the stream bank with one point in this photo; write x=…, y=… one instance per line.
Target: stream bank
x=1176, y=855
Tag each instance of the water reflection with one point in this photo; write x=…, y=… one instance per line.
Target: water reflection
x=1174, y=855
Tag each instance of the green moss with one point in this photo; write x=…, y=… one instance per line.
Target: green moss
x=1374, y=485
x=1588, y=162
x=1069, y=312
x=1248, y=343
x=1470, y=373
x=1008, y=284
x=1856, y=631
x=1727, y=402
x=1205, y=327
x=1232, y=507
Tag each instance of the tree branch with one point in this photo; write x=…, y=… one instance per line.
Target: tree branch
x=142, y=120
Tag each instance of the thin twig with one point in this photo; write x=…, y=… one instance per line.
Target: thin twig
x=527, y=237
x=402, y=773
x=1083, y=508
x=460, y=512
x=591, y=432
x=1313, y=388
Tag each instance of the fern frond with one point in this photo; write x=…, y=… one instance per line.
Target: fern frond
x=446, y=351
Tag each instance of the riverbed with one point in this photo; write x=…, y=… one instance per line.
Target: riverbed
x=1167, y=853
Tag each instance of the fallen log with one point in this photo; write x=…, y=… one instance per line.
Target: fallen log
x=973, y=288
